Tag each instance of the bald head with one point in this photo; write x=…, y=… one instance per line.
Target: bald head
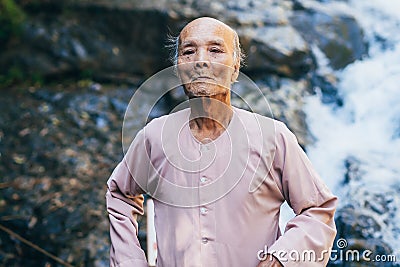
x=207, y=22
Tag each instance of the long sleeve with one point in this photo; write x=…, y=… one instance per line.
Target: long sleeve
x=124, y=202
x=310, y=234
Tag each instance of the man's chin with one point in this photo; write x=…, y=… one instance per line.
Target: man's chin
x=203, y=92
x=200, y=94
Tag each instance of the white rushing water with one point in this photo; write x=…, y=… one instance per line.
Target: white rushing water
x=367, y=126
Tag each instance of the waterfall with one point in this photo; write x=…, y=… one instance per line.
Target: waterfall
x=367, y=126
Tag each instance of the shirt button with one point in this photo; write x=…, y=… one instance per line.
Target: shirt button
x=204, y=240
x=203, y=211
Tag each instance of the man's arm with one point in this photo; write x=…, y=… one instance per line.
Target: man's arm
x=310, y=234
x=124, y=203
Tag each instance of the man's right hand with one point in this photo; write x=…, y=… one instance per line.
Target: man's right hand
x=271, y=261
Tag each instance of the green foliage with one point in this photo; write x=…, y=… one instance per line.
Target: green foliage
x=12, y=18
x=86, y=74
x=13, y=75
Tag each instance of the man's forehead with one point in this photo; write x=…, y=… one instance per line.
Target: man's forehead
x=206, y=28
x=211, y=39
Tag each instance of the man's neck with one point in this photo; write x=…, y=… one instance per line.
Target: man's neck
x=209, y=117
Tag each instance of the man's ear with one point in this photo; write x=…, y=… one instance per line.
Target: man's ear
x=235, y=73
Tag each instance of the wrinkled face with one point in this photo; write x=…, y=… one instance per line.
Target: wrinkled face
x=206, y=63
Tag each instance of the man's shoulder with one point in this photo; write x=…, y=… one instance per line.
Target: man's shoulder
x=248, y=117
x=157, y=127
x=175, y=117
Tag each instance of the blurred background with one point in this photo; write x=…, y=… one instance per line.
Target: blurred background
x=68, y=68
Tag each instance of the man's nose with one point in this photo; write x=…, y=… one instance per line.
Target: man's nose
x=202, y=60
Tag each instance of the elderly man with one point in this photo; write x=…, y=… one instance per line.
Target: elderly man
x=218, y=175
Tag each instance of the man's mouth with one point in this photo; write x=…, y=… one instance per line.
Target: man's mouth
x=202, y=78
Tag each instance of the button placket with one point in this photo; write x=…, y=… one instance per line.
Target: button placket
x=207, y=223
x=205, y=211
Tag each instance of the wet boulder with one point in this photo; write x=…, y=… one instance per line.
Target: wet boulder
x=333, y=29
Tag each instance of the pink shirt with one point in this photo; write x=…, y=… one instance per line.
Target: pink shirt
x=218, y=204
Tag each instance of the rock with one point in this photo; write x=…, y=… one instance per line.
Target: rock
x=367, y=217
x=90, y=39
x=106, y=40
x=53, y=174
x=276, y=97
x=353, y=171
x=258, y=18
x=278, y=50
x=332, y=29
x=327, y=89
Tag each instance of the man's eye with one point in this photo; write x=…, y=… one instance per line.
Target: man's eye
x=188, y=52
x=216, y=50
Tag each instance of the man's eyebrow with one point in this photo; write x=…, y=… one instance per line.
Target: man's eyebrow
x=187, y=43
x=218, y=42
